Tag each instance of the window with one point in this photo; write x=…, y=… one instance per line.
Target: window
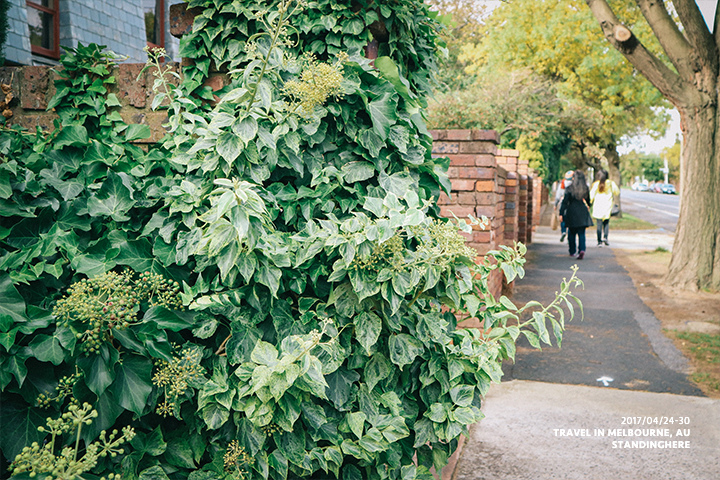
x=154, y=11
x=44, y=22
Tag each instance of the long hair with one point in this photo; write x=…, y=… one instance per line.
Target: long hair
x=578, y=188
x=602, y=177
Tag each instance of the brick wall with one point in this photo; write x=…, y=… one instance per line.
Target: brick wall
x=33, y=87
x=493, y=182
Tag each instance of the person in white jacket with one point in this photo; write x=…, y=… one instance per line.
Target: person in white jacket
x=602, y=195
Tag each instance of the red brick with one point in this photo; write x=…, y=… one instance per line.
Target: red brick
x=482, y=237
x=154, y=120
x=485, y=160
x=461, y=160
x=462, y=135
x=446, y=148
x=443, y=199
x=31, y=121
x=458, y=185
x=460, y=211
x=182, y=18
x=471, y=172
x=484, y=210
x=131, y=89
x=487, y=135
x=486, y=198
x=477, y=147
x=36, y=89
x=485, y=186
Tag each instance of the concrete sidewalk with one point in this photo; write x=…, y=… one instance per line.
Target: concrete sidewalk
x=552, y=417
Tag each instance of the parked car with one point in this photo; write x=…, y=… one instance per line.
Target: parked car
x=639, y=186
x=657, y=188
x=668, y=188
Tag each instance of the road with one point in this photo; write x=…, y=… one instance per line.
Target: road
x=657, y=208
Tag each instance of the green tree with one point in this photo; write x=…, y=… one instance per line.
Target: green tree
x=558, y=40
x=686, y=75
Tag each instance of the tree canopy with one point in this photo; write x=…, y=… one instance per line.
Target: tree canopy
x=686, y=72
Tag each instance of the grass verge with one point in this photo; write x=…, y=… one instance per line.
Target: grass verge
x=705, y=352
x=629, y=222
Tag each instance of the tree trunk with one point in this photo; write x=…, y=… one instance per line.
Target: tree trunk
x=695, y=259
x=613, y=158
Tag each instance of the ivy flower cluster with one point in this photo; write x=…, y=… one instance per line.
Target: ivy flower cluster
x=41, y=459
x=94, y=307
x=318, y=82
x=175, y=377
x=236, y=460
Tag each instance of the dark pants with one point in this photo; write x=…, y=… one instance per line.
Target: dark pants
x=563, y=228
x=578, y=246
x=603, y=226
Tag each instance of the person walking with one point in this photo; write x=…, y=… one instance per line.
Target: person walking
x=562, y=186
x=574, y=212
x=602, y=195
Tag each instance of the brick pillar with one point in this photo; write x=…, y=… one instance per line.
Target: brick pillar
x=477, y=188
x=509, y=160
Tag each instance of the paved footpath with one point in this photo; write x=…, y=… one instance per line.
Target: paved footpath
x=554, y=419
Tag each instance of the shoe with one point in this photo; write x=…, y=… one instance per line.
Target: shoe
x=562, y=237
x=573, y=255
x=600, y=244
x=606, y=243
x=581, y=255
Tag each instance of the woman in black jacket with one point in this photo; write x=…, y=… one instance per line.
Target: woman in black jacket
x=574, y=212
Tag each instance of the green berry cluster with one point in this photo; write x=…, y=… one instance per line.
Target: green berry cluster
x=42, y=459
x=95, y=307
x=175, y=377
x=63, y=390
x=237, y=460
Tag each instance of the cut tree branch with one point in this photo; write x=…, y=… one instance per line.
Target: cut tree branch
x=672, y=40
x=697, y=32
x=670, y=84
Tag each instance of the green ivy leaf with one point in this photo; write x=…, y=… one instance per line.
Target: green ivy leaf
x=12, y=305
x=132, y=385
x=358, y=171
x=246, y=129
x=20, y=425
x=71, y=135
x=462, y=395
x=383, y=114
x=137, y=131
x=215, y=415
x=114, y=199
x=153, y=473
x=47, y=349
x=356, y=422
x=229, y=146
x=404, y=349
x=99, y=369
x=367, y=328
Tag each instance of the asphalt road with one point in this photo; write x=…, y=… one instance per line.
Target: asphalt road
x=657, y=208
